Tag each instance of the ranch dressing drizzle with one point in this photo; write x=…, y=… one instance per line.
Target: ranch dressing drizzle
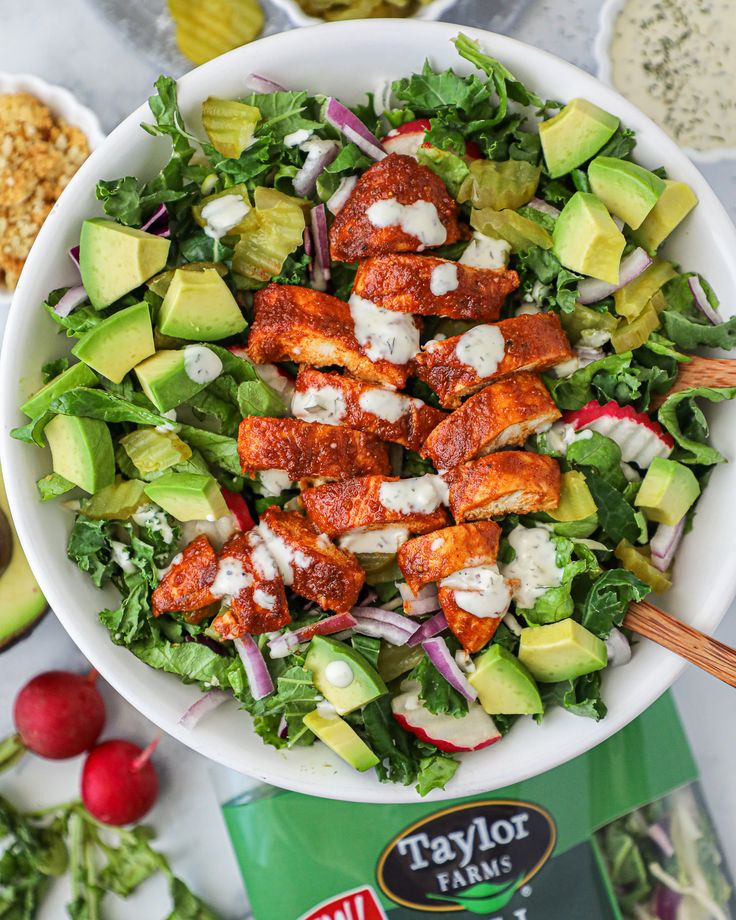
x=274, y=482
x=384, y=404
x=419, y=219
x=482, y=348
x=223, y=214
x=675, y=60
x=418, y=495
x=201, y=364
x=319, y=404
x=263, y=561
x=231, y=578
x=155, y=520
x=264, y=599
x=443, y=279
x=385, y=540
x=384, y=334
x=481, y=590
x=535, y=566
x=486, y=252
x=283, y=555
x=339, y=674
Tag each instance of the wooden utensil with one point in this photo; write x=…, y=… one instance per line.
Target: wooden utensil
x=703, y=651
x=701, y=372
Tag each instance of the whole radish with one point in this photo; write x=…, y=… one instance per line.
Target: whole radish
x=119, y=783
x=59, y=714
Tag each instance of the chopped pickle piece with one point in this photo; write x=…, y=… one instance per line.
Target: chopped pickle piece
x=500, y=184
x=267, y=238
x=638, y=562
x=581, y=318
x=153, y=451
x=633, y=335
x=230, y=125
x=117, y=502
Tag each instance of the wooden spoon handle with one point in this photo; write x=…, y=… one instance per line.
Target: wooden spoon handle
x=701, y=372
x=701, y=650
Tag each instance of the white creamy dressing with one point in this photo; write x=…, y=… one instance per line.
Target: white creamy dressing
x=121, y=556
x=535, y=566
x=561, y=435
x=419, y=219
x=486, y=252
x=217, y=532
x=276, y=379
x=297, y=137
x=283, y=555
x=264, y=599
x=274, y=482
x=418, y=495
x=481, y=590
x=339, y=674
x=231, y=578
x=201, y=364
x=482, y=348
x=319, y=404
x=171, y=424
x=384, y=540
x=384, y=334
x=566, y=368
x=675, y=60
x=326, y=709
x=443, y=279
x=155, y=520
x=387, y=405
x=594, y=338
x=223, y=214
x=263, y=561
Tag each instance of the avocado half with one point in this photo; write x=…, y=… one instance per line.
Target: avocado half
x=21, y=603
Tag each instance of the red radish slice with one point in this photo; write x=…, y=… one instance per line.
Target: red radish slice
x=119, y=783
x=202, y=707
x=640, y=438
x=284, y=643
x=472, y=732
x=239, y=509
x=702, y=302
x=353, y=129
x=256, y=669
x=409, y=137
x=591, y=290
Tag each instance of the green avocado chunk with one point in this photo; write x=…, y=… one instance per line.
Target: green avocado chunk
x=504, y=685
x=118, y=343
x=667, y=492
x=628, y=190
x=78, y=375
x=342, y=675
x=114, y=260
x=574, y=135
x=674, y=204
x=21, y=603
x=82, y=451
x=199, y=306
x=586, y=240
x=164, y=379
x=188, y=496
x=561, y=651
x=344, y=741
x=576, y=502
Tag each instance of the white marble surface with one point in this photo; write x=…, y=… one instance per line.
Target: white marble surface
x=75, y=45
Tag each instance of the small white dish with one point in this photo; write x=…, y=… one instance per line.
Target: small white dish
x=64, y=105
x=297, y=15
x=610, y=11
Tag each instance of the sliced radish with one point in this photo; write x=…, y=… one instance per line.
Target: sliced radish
x=409, y=137
x=470, y=733
x=640, y=437
x=239, y=509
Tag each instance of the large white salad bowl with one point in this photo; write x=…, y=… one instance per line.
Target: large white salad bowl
x=346, y=60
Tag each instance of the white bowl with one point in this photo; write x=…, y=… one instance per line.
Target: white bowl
x=297, y=15
x=64, y=105
x=352, y=58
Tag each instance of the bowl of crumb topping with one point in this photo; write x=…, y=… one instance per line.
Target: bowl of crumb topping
x=45, y=136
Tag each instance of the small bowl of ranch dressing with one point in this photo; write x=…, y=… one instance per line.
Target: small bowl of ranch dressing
x=676, y=61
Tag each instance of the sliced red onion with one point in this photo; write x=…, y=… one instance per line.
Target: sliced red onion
x=588, y=355
x=284, y=644
x=442, y=658
x=659, y=835
x=69, y=301
x=283, y=730
x=618, y=648
x=431, y=627
x=617, y=220
x=201, y=707
x=664, y=544
x=426, y=601
x=383, y=624
x=512, y=624
x=666, y=903
x=407, y=594
x=368, y=599
x=256, y=670
x=353, y=128
x=321, y=263
x=337, y=201
x=308, y=248
x=260, y=84
x=540, y=205
x=74, y=255
x=319, y=155
x=591, y=290
x=701, y=301
x=158, y=222
x=393, y=604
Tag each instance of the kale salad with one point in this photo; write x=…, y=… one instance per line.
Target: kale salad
x=379, y=417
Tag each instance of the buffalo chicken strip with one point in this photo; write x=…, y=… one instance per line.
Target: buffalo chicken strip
x=473, y=632
x=187, y=584
x=333, y=399
x=463, y=364
x=507, y=482
x=397, y=205
x=293, y=323
x=337, y=507
x=307, y=450
x=434, y=556
x=310, y=564
x=430, y=286
x=504, y=414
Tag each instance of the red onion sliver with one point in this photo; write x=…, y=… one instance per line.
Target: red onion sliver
x=256, y=670
x=407, y=594
x=159, y=216
x=383, y=624
x=664, y=544
x=69, y=301
x=540, y=205
x=260, y=84
x=283, y=730
x=353, y=128
x=74, y=255
x=285, y=643
x=441, y=657
x=701, y=301
x=369, y=598
x=308, y=248
x=421, y=606
x=618, y=648
x=321, y=266
x=591, y=290
x=337, y=201
x=201, y=707
x=319, y=155
x=431, y=627
x=667, y=903
x=659, y=835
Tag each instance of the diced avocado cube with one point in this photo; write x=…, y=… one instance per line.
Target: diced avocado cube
x=586, y=240
x=561, y=651
x=199, y=306
x=344, y=741
x=164, y=379
x=576, y=502
x=668, y=491
x=628, y=190
x=82, y=451
x=78, y=375
x=118, y=343
x=574, y=135
x=629, y=301
x=342, y=675
x=115, y=260
x=188, y=496
x=504, y=685
x=674, y=204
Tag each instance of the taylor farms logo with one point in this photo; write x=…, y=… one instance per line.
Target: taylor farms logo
x=471, y=857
